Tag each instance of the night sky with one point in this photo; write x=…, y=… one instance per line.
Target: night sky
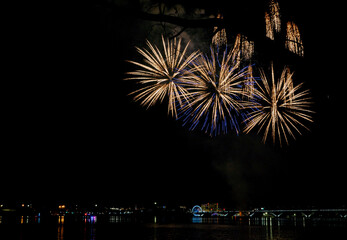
x=71, y=131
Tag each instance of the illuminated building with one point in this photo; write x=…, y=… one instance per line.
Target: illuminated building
x=210, y=207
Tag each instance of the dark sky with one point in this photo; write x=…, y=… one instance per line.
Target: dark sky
x=72, y=132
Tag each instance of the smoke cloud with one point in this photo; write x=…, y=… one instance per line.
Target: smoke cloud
x=250, y=170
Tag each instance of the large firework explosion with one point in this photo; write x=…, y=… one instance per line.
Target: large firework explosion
x=215, y=93
x=163, y=74
x=278, y=107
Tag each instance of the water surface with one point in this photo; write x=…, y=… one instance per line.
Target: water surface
x=163, y=228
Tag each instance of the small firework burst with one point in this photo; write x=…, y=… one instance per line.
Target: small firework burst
x=278, y=107
x=215, y=93
x=163, y=74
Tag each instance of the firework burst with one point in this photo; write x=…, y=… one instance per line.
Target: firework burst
x=163, y=74
x=215, y=90
x=278, y=108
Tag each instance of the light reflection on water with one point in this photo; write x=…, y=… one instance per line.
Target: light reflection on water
x=119, y=219
x=158, y=228
x=60, y=234
x=88, y=228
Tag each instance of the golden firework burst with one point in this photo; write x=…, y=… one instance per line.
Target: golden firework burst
x=278, y=107
x=163, y=74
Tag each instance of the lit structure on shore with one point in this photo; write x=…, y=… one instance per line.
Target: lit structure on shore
x=208, y=209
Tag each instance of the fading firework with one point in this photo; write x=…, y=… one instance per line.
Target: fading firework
x=220, y=36
x=273, y=20
x=243, y=48
x=275, y=15
x=163, y=74
x=278, y=108
x=293, y=39
x=215, y=92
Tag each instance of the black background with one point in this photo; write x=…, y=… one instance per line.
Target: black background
x=70, y=130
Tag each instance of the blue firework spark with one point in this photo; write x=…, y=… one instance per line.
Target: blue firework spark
x=214, y=100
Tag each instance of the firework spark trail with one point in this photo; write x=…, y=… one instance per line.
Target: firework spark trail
x=220, y=36
x=273, y=20
x=248, y=86
x=275, y=15
x=293, y=39
x=163, y=74
x=278, y=107
x=215, y=92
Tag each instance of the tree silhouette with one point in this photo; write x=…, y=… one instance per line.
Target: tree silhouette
x=239, y=17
